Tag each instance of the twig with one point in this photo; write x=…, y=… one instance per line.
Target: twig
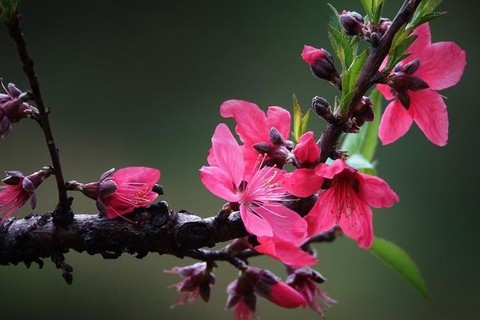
x=63, y=207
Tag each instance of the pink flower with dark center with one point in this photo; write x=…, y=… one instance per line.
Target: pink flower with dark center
x=346, y=202
x=259, y=196
x=306, y=281
x=18, y=189
x=197, y=282
x=261, y=133
x=120, y=192
x=413, y=86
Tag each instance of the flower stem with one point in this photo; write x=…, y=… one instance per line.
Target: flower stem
x=42, y=119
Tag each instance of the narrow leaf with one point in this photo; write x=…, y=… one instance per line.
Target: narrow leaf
x=370, y=129
x=397, y=259
x=297, y=119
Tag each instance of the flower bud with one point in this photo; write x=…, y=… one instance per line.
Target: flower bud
x=321, y=64
x=364, y=112
x=352, y=23
x=384, y=25
x=197, y=282
x=305, y=280
x=322, y=108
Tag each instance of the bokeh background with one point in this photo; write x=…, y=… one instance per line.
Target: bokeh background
x=140, y=83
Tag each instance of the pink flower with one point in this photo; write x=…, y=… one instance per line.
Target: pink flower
x=259, y=196
x=306, y=281
x=346, y=202
x=19, y=189
x=197, y=282
x=413, y=86
x=265, y=134
x=120, y=192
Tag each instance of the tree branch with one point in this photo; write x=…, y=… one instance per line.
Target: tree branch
x=155, y=229
x=332, y=132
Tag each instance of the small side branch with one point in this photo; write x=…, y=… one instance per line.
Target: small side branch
x=16, y=33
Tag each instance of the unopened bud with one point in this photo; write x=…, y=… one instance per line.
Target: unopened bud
x=322, y=108
x=364, y=112
x=276, y=137
x=384, y=25
x=352, y=22
x=321, y=64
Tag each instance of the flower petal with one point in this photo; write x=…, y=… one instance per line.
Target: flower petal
x=441, y=65
x=375, y=191
x=129, y=175
x=423, y=40
x=285, y=223
x=358, y=224
x=322, y=217
x=284, y=251
x=255, y=224
x=307, y=149
x=218, y=182
x=228, y=154
x=385, y=91
x=395, y=122
x=330, y=171
x=251, y=121
x=302, y=182
x=431, y=115
x=279, y=118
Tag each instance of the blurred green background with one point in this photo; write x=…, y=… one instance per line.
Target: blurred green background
x=140, y=83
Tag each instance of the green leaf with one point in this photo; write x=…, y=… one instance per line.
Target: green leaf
x=373, y=9
x=365, y=141
x=370, y=129
x=397, y=259
x=300, y=121
x=425, y=12
x=402, y=40
x=342, y=46
x=358, y=162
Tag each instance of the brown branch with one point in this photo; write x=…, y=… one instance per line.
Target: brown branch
x=332, y=132
x=156, y=229
x=16, y=33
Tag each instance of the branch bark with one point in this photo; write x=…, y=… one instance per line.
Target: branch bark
x=156, y=229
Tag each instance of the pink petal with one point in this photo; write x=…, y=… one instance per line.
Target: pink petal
x=307, y=149
x=285, y=223
x=330, y=171
x=375, y=191
x=431, y=115
x=442, y=65
x=284, y=251
x=358, y=224
x=251, y=121
x=218, y=182
x=279, y=118
x=311, y=54
x=255, y=224
x=146, y=175
x=322, y=217
x=423, y=41
x=302, y=182
x=395, y=122
x=228, y=154
x=385, y=91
